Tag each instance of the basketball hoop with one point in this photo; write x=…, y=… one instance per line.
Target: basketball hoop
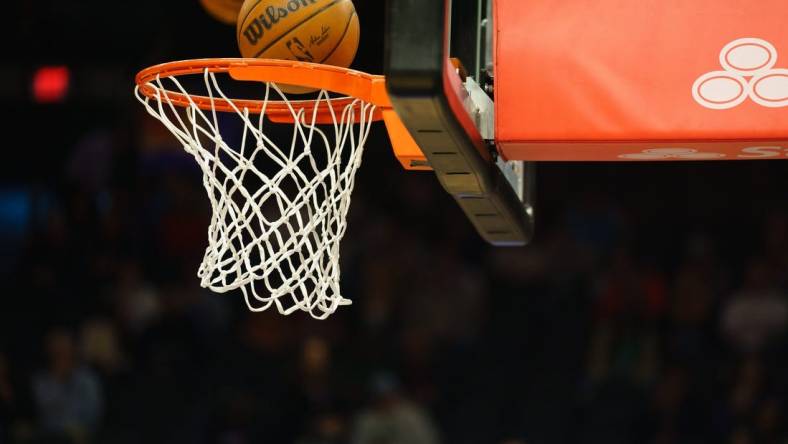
x=279, y=204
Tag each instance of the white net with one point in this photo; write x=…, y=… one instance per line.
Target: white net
x=279, y=204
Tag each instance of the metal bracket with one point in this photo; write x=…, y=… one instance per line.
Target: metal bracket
x=433, y=104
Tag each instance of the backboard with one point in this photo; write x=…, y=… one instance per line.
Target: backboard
x=582, y=81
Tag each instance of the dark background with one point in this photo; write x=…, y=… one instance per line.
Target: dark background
x=651, y=308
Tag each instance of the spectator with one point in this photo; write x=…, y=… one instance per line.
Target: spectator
x=137, y=302
x=99, y=344
x=67, y=394
x=316, y=377
x=757, y=313
x=629, y=305
x=392, y=419
x=691, y=334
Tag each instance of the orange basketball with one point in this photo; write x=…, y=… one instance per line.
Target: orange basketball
x=319, y=31
x=226, y=11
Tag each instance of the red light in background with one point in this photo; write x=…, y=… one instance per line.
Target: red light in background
x=50, y=84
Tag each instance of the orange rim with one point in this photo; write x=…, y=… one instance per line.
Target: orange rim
x=351, y=84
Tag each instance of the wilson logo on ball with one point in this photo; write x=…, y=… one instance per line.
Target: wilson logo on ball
x=272, y=15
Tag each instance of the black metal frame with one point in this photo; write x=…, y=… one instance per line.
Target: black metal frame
x=417, y=54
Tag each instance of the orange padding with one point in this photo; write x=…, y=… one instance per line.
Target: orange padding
x=654, y=80
x=350, y=83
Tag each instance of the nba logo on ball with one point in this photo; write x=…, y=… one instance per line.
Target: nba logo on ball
x=319, y=31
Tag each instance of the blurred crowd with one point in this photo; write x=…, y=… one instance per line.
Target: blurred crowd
x=648, y=310
x=651, y=308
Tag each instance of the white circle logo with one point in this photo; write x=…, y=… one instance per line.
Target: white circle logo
x=720, y=90
x=748, y=56
x=742, y=59
x=770, y=89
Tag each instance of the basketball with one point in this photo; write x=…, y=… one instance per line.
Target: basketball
x=318, y=31
x=226, y=11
